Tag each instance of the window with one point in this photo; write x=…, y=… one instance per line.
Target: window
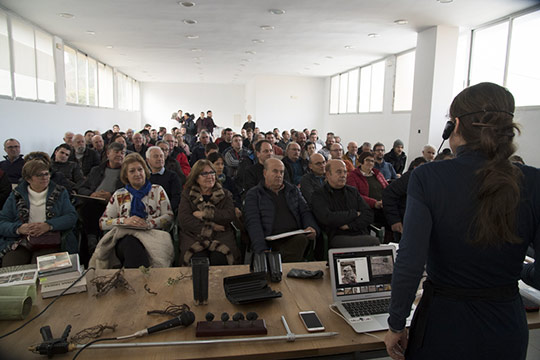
x=372, y=87
x=334, y=94
x=523, y=78
x=88, y=82
x=352, y=97
x=105, y=86
x=70, y=65
x=5, y=68
x=34, y=71
x=343, y=86
x=509, y=62
x=489, y=54
x=24, y=60
x=403, y=87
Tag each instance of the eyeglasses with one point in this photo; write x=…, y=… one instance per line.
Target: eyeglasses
x=43, y=175
x=208, y=173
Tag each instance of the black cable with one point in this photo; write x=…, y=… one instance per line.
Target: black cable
x=438, y=151
x=48, y=306
x=90, y=343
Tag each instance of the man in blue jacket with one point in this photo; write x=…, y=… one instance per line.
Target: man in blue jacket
x=275, y=207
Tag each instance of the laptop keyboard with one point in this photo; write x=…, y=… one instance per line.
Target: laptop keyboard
x=367, y=307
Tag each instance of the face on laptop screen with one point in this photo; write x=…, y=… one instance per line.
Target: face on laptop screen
x=363, y=272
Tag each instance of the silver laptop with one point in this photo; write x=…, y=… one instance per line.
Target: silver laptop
x=361, y=285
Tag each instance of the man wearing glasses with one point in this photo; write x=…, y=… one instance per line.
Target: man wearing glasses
x=384, y=167
x=14, y=162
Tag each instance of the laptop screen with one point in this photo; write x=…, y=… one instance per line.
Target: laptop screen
x=363, y=272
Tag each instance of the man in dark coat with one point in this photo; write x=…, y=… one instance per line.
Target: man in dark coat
x=397, y=157
x=341, y=210
x=275, y=207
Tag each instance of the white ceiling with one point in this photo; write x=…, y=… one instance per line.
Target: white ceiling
x=150, y=44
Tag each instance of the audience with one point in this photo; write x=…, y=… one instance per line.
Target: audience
x=274, y=207
x=138, y=218
x=314, y=179
x=86, y=157
x=386, y=169
x=205, y=215
x=159, y=175
x=341, y=210
x=295, y=165
x=35, y=208
x=396, y=157
x=14, y=162
x=345, y=193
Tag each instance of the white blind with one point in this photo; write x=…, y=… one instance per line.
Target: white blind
x=24, y=60
x=5, y=69
x=46, y=75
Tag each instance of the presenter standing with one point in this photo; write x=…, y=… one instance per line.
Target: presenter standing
x=470, y=220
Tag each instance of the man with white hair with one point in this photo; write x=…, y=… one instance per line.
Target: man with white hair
x=429, y=152
x=159, y=175
x=85, y=156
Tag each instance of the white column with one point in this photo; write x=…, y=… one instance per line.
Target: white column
x=434, y=69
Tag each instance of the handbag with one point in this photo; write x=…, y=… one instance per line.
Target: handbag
x=49, y=240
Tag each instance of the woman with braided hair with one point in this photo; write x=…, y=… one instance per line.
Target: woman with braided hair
x=204, y=216
x=470, y=221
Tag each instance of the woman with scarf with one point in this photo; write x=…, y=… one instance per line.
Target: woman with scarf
x=204, y=216
x=36, y=209
x=138, y=216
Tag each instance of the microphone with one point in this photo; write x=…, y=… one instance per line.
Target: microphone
x=185, y=319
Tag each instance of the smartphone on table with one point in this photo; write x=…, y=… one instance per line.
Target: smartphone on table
x=311, y=321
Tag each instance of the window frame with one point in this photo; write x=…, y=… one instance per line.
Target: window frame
x=510, y=19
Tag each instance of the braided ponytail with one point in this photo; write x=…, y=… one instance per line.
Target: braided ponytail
x=485, y=112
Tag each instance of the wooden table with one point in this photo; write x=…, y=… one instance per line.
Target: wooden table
x=128, y=310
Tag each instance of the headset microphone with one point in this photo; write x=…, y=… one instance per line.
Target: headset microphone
x=448, y=129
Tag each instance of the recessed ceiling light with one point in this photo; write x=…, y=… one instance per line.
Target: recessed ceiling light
x=186, y=3
x=373, y=35
x=257, y=41
x=316, y=64
x=197, y=58
x=109, y=46
x=197, y=62
x=267, y=27
x=401, y=22
x=329, y=57
x=348, y=47
x=250, y=52
x=189, y=21
x=90, y=32
x=306, y=68
x=192, y=37
x=195, y=49
x=276, y=11
x=246, y=60
x=66, y=15
x=445, y=1
x=242, y=64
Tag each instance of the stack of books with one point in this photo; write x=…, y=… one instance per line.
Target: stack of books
x=57, y=272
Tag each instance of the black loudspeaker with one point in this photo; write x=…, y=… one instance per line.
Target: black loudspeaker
x=448, y=129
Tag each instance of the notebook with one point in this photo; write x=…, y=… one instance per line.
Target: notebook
x=361, y=285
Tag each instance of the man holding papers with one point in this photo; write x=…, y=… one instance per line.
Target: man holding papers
x=274, y=207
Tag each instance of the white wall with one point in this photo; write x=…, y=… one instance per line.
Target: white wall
x=41, y=127
x=372, y=127
x=527, y=143
x=286, y=102
x=160, y=100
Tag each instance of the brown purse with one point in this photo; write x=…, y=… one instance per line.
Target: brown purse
x=49, y=240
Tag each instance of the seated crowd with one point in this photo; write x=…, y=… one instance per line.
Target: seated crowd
x=114, y=197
